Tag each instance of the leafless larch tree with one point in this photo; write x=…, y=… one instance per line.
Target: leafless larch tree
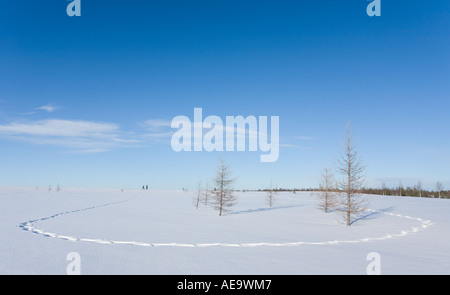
x=223, y=198
x=206, y=194
x=419, y=188
x=198, y=194
x=351, y=169
x=439, y=188
x=327, y=191
x=270, y=195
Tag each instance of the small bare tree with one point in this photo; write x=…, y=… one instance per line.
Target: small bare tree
x=351, y=168
x=223, y=195
x=439, y=188
x=206, y=194
x=419, y=188
x=383, y=188
x=270, y=195
x=400, y=189
x=327, y=189
x=198, y=194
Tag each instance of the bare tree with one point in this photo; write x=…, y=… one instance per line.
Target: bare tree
x=384, y=188
x=198, y=194
x=439, y=188
x=419, y=188
x=352, y=169
x=327, y=189
x=270, y=195
x=400, y=189
x=206, y=194
x=223, y=196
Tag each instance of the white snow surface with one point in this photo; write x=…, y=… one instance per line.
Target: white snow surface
x=161, y=232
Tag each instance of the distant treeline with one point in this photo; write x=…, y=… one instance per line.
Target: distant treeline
x=407, y=192
x=399, y=191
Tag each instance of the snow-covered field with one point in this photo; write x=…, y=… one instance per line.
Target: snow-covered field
x=161, y=232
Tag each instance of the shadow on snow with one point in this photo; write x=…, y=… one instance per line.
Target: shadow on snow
x=373, y=214
x=263, y=209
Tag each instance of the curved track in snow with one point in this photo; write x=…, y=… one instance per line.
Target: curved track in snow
x=30, y=226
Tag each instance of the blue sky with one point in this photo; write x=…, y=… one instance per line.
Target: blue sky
x=85, y=101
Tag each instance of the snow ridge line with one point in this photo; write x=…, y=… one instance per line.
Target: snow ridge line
x=28, y=226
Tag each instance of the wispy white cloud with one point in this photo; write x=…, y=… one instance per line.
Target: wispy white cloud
x=293, y=142
x=156, y=124
x=79, y=136
x=27, y=114
x=156, y=130
x=60, y=128
x=49, y=108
